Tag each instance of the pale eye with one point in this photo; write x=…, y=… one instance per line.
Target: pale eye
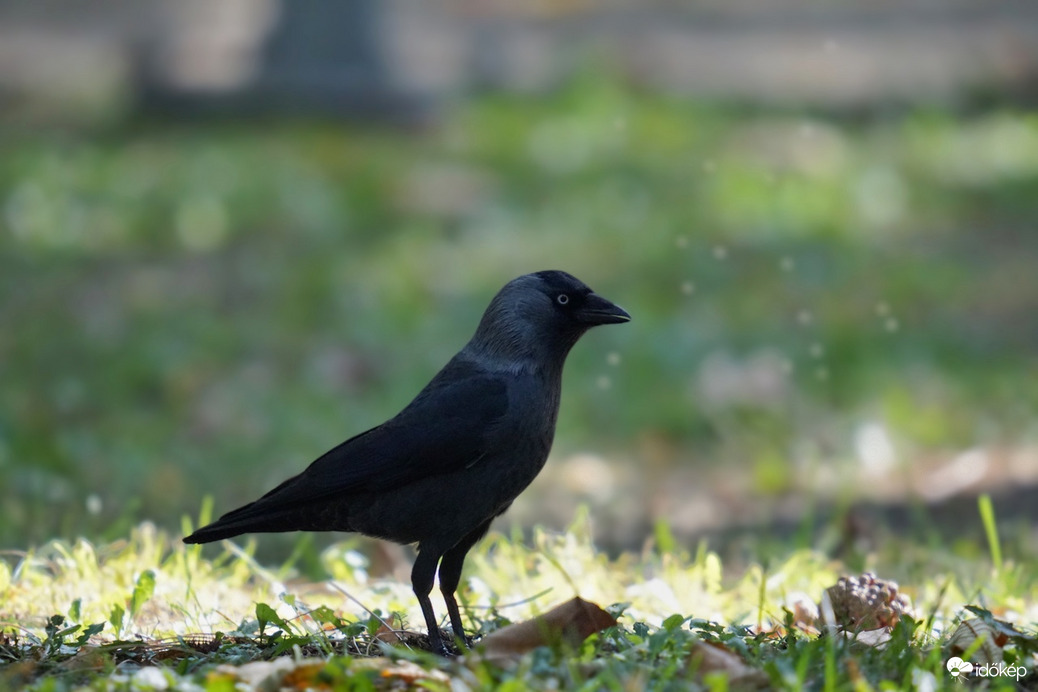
x=562, y=299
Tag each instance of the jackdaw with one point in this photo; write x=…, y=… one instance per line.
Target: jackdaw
x=438, y=472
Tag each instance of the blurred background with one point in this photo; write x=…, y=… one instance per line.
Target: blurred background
x=234, y=233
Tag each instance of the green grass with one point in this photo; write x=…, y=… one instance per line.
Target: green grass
x=149, y=608
x=210, y=305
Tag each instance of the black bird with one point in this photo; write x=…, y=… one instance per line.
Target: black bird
x=438, y=472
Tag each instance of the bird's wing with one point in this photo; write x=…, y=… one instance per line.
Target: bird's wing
x=443, y=430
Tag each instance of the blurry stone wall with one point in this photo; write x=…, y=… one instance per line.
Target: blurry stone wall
x=74, y=59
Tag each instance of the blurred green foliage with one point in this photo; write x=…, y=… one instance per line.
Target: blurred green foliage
x=204, y=308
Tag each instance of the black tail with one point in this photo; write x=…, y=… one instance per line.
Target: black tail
x=288, y=507
x=212, y=532
x=248, y=519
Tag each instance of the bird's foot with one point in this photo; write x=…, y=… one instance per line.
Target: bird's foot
x=443, y=643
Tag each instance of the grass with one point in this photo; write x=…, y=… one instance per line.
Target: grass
x=149, y=609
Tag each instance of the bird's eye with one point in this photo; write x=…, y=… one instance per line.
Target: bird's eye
x=562, y=299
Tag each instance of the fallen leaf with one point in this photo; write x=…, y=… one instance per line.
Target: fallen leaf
x=390, y=634
x=304, y=675
x=570, y=623
x=407, y=672
x=87, y=658
x=805, y=612
x=968, y=632
x=286, y=673
x=263, y=675
x=709, y=658
x=1004, y=631
x=18, y=674
x=876, y=638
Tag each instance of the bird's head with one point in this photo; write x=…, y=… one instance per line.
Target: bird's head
x=537, y=318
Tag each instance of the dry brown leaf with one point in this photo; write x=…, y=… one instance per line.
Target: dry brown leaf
x=305, y=675
x=805, y=613
x=968, y=632
x=87, y=658
x=572, y=622
x=709, y=657
x=287, y=674
x=390, y=634
x=407, y=672
x=262, y=675
x=18, y=674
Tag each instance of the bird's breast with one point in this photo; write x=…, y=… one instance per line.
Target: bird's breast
x=528, y=429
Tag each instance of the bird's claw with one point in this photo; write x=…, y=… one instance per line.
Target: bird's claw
x=438, y=645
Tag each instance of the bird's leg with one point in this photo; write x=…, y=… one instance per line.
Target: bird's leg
x=450, y=576
x=422, y=575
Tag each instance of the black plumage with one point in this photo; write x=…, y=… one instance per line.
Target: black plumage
x=437, y=473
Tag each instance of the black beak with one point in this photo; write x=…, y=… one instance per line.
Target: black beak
x=597, y=310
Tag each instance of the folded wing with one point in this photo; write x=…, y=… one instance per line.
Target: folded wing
x=443, y=430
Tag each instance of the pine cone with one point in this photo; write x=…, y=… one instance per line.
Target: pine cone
x=866, y=602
